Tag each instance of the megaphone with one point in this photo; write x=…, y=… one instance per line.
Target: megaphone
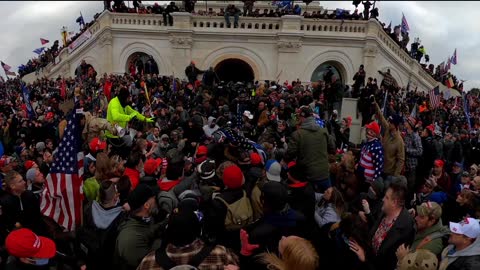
x=120, y=131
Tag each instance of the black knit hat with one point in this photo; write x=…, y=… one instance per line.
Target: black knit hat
x=275, y=195
x=140, y=195
x=183, y=227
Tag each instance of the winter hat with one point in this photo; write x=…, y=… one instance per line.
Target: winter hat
x=183, y=227
x=206, y=169
x=23, y=243
x=274, y=170
x=233, y=177
x=202, y=150
x=30, y=175
x=140, y=195
x=421, y=259
x=275, y=195
x=40, y=146
x=151, y=165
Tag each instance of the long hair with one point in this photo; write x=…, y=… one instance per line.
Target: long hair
x=103, y=167
x=337, y=200
x=299, y=253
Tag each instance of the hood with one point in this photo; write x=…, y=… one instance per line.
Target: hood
x=472, y=250
x=102, y=218
x=210, y=120
x=310, y=124
x=255, y=172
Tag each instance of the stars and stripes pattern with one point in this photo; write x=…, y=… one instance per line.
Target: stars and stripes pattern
x=435, y=97
x=372, y=159
x=405, y=27
x=63, y=195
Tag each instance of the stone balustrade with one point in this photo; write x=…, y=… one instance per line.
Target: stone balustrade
x=295, y=26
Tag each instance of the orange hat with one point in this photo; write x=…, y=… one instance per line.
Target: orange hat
x=96, y=145
x=151, y=165
x=373, y=126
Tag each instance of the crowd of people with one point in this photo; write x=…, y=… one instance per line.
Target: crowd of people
x=241, y=175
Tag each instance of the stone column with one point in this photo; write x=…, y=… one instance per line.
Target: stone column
x=106, y=45
x=289, y=44
x=181, y=42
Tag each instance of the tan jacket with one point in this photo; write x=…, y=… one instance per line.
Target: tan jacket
x=94, y=127
x=393, y=148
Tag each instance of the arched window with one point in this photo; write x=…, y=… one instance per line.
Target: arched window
x=141, y=63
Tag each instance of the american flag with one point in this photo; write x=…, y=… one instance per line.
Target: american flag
x=63, y=195
x=435, y=97
x=405, y=27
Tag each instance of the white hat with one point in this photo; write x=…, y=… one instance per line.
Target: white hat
x=469, y=227
x=248, y=114
x=274, y=170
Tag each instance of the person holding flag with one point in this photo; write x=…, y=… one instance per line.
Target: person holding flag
x=80, y=21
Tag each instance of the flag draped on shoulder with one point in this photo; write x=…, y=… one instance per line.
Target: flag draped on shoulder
x=435, y=97
x=39, y=50
x=44, y=41
x=405, y=27
x=63, y=195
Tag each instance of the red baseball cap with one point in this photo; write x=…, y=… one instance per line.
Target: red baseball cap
x=255, y=159
x=29, y=164
x=49, y=115
x=439, y=163
x=373, y=126
x=96, y=145
x=202, y=150
x=23, y=243
x=151, y=165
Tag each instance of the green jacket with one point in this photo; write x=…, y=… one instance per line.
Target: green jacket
x=310, y=145
x=116, y=114
x=136, y=239
x=435, y=233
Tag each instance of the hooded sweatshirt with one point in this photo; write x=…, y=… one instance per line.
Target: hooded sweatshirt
x=310, y=145
x=102, y=218
x=468, y=258
x=209, y=130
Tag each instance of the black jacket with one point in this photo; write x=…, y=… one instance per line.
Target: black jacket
x=402, y=232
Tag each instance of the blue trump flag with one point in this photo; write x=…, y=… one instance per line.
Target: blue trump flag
x=39, y=50
x=26, y=98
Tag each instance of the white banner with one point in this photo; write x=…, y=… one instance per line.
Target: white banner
x=79, y=41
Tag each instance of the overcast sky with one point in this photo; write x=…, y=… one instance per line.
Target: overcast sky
x=441, y=26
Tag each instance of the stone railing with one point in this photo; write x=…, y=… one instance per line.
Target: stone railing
x=320, y=25
x=271, y=25
x=137, y=21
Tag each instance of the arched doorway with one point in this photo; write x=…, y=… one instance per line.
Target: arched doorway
x=140, y=62
x=236, y=70
x=323, y=69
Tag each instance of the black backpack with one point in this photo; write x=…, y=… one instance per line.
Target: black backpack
x=166, y=263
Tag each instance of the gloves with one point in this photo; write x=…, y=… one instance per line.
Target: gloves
x=150, y=120
x=247, y=248
x=366, y=207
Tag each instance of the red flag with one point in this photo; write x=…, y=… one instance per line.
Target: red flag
x=63, y=195
x=44, y=41
x=63, y=89
x=107, y=88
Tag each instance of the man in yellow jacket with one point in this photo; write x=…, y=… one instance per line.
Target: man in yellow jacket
x=120, y=113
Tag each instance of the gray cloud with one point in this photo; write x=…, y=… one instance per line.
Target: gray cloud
x=441, y=26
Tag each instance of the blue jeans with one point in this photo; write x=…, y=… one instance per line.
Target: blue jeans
x=235, y=19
